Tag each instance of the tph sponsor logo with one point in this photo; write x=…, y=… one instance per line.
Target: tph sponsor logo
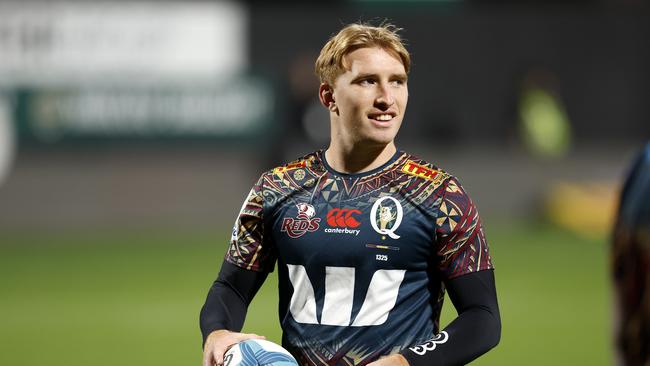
x=342, y=221
x=422, y=171
x=303, y=222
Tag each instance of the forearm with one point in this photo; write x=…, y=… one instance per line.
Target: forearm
x=469, y=336
x=227, y=301
x=476, y=330
x=223, y=309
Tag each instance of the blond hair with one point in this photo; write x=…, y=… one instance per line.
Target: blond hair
x=329, y=64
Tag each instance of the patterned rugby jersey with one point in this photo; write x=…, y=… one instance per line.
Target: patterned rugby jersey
x=361, y=257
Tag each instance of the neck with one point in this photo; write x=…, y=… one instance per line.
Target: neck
x=358, y=159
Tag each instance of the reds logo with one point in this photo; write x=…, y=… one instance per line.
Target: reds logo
x=305, y=211
x=303, y=222
x=342, y=217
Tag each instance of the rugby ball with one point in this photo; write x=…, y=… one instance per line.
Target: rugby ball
x=258, y=352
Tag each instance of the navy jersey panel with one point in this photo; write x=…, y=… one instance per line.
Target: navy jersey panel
x=361, y=258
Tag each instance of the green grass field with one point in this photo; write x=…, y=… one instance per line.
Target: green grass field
x=133, y=298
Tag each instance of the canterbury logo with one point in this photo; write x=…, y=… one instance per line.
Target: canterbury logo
x=430, y=345
x=343, y=217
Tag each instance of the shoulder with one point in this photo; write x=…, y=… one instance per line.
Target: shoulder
x=646, y=154
x=296, y=173
x=415, y=166
x=638, y=171
x=637, y=181
x=308, y=161
x=304, y=162
x=433, y=182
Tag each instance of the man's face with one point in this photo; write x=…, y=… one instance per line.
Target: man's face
x=370, y=97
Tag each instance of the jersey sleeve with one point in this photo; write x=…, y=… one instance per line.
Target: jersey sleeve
x=248, y=248
x=460, y=242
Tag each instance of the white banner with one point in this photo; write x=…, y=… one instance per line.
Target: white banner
x=44, y=42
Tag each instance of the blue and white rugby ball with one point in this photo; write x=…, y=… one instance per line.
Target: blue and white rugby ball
x=258, y=352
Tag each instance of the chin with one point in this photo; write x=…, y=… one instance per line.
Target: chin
x=378, y=140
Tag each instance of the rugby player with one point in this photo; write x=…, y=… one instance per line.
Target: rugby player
x=631, y=266
x=367, y=238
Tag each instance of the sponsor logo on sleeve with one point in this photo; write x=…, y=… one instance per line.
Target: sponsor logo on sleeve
x=235, y=232
x=421, y=171
x=431, y=344
x=303, y=223
x=292, y=166
x=343, y=221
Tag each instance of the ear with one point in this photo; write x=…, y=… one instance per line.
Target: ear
x=326, y=96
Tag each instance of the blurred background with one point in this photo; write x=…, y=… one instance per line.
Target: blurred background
x=130, y=133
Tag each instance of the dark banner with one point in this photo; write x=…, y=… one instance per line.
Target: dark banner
x=241, y=108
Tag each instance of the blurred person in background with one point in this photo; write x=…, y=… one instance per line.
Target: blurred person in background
x=631, y=266
x=367, y=237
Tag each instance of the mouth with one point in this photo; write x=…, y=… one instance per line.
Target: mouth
x=383, y=117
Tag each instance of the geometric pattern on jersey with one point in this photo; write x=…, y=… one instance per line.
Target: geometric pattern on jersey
x=361, y=258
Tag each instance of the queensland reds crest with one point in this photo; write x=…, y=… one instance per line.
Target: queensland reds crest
x=385, y=219
x=303, y=222
x=305, y=211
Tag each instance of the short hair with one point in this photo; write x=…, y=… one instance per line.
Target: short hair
x=329, y=64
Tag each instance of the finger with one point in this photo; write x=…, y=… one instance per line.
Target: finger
x=245, y=336
x=217, y=355
x=207, y=358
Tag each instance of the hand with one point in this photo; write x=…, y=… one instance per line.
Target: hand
x=392, y=360
x=218, y=343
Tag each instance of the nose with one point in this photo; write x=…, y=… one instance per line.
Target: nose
x=384, y=97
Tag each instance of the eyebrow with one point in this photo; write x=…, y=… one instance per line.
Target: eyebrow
x=392, y=76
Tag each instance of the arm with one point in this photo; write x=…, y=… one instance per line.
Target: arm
x=228, y=299
x=630, y=267
x=465, y=265
x=246, y=265
x=476, y=330
x=223, y=313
